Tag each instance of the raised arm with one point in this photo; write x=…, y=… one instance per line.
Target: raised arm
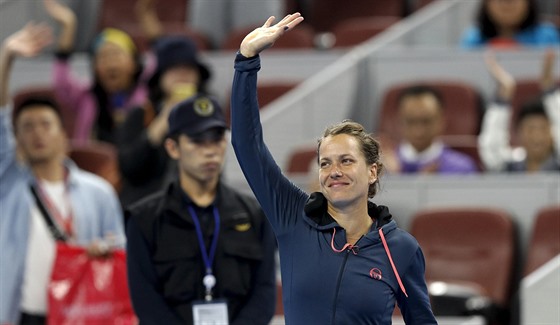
x=66, y=18
x=27, y=42
x=551, y=96
x=147, y=17
x=279, y=198
x=494, y=138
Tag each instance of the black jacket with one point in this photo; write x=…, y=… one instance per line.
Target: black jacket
x=165, y=266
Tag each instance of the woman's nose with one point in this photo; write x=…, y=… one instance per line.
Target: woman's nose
x=335, y=172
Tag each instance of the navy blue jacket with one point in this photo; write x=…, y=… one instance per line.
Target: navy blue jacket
x=320, y=285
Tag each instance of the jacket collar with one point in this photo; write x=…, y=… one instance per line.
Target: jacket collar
x=317, y=217
x=176, y=201
x=71, y=167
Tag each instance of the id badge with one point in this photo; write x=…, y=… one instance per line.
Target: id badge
x=214, y=312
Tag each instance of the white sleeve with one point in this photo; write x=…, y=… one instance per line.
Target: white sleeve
x=552, y=107
x=493, y=141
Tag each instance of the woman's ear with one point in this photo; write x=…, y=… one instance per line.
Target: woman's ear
x=372, y=173
x=172, y=148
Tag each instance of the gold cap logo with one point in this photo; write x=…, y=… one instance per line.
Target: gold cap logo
x=203, y=107
x=243, y=227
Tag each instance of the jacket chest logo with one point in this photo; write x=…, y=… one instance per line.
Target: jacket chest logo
x=375, y=273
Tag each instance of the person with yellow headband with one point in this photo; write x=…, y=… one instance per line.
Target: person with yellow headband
x=118, y=82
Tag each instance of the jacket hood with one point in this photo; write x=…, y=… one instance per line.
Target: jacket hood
x=317, y=217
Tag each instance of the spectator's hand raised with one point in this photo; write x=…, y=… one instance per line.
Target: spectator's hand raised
x=547, y=75
x=264, y=37
x=506, y=82
x=59, y=12
x=29, y=41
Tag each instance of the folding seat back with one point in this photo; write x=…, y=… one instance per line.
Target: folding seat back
x=468, y=246
x=99, y=158
x=545, y=239
x=353, y=31
x=325, y=14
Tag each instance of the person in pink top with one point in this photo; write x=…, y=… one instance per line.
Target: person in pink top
x=118, y=78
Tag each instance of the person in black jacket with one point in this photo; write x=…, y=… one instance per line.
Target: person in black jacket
x=144, y=165
x=199, y=243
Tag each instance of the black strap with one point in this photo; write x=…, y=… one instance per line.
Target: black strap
x=55, y=231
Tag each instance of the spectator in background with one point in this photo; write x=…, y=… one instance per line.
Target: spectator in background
x=145, y=166
x=199, y=240
x=39, y=183
x=118, y=78
x=422, y=123
x=537, y=127
x=509, y=23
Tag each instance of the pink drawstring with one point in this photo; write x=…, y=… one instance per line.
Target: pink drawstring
x=351, y=247
x=346, y=246
x=391, y=260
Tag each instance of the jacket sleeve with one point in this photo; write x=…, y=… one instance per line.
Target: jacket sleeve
x=415, y=308
x=149, y=305
x=139, y=160
x=279, y=198
x=552, y=106
x=260, y=307
x=493, y=141
x=68, y=87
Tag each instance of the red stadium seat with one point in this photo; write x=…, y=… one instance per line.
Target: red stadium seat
x=99, y=158
x=545, y=238
x=267, y=92
x=300, y=159
x=325, y=14
x=474, y=246
x=354, y=31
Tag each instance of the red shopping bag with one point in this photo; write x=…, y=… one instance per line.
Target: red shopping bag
x=89, y=291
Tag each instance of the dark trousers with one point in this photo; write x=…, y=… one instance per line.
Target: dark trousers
x=31, y=319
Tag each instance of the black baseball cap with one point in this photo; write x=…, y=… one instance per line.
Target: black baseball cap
x=196, y=115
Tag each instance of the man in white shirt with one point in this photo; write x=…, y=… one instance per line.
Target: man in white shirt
x=39, y=183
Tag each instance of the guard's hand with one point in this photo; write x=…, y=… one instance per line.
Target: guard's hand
x=264, y=37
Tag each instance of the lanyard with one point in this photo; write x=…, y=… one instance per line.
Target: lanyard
x=66, y=222
x=208, y=257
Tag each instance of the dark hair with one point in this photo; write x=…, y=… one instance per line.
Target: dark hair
x=370, y=147
x=36, y=101
x=419, y=90
x=104, y=119
x=533, y=107
x=489, y=29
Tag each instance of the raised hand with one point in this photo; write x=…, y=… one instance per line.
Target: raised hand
x=26, y=42
x=506, y=82
x=547, y=75
x=29, y=41
x=264, y=37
